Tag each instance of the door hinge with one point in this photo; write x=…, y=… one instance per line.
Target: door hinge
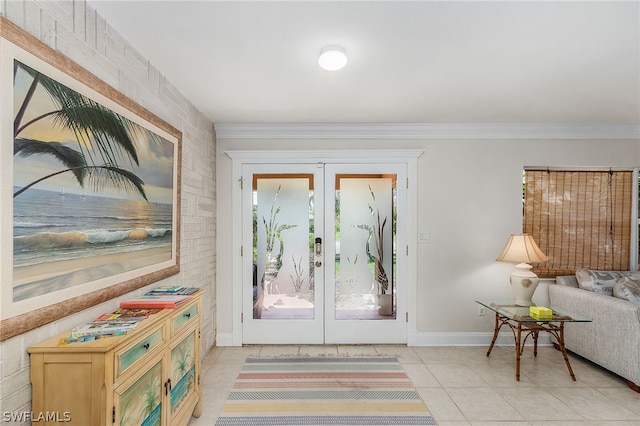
x=407, y=250
x=242, y=318
x=241, y=180
x=407, y=183
x=406, y=317
x=241, y=250
x=113, y=415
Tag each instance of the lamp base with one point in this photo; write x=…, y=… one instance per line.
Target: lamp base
x=523, y=284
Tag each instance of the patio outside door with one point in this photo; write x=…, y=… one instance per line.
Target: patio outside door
x=327, y=253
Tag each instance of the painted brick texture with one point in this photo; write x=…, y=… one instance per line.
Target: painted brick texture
x=75, y=29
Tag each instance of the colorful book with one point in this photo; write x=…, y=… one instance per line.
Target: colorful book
x=97, y=328
x=188, y=290
x=166, y=290
x=183, y=291
x=155, y=301
x=127, y=314
x=71, y=339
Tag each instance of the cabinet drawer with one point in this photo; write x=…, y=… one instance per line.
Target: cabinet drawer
x=129, y=355
x=188, y=316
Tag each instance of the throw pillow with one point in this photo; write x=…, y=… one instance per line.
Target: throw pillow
x=627, y=288
x=601, y=282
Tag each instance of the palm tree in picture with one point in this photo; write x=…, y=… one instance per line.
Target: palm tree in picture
x=125, y=414
x=151, y=399
x=182, y=361
x=104, y=138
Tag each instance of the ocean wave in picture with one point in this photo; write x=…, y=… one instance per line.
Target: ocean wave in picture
x=48, y=246
x=81, y=227
x=32, y=225
x=77, y=238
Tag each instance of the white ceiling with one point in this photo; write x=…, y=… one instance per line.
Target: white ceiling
x=409, y=62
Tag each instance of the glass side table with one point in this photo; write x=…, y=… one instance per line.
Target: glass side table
x=522, y=326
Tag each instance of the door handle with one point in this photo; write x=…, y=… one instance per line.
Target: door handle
x=318, y=246
x=318, y=263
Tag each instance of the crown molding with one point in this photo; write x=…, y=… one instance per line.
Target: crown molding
x=321, y=156
x=428, y=131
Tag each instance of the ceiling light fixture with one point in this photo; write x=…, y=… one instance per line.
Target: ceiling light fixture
x=332, y=58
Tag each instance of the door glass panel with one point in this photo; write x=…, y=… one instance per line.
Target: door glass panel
x=283, y=286
x=365, y=234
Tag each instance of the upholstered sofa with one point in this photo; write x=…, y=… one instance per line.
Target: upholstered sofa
x=612, y=339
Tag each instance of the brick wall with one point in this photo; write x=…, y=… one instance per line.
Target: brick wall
x=77, y=31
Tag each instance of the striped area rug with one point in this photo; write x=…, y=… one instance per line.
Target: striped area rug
x=323, y=391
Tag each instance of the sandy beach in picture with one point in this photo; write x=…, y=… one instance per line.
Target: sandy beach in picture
x=43, y=278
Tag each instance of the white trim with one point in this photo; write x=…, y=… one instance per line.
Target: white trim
x=635, y=222
x=236, y=264
x=226, y=339
x=428, y=131
x=352, y=156
x=432, y=339
x=239, y=158
x=469, y=339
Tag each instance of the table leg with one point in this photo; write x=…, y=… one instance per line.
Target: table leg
x=518, y=351
x=535, y=343
x=564, y=351
x=496, y=329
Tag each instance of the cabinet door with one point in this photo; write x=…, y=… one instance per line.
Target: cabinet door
x=139, y=401
x=184, y=371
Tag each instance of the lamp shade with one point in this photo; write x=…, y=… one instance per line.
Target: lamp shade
x=522, y=249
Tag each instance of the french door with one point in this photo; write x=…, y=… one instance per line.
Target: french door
x=324, y=253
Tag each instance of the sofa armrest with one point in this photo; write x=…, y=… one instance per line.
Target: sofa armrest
x=567, y=280
x=612, y=339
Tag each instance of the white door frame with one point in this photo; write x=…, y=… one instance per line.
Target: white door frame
x=239, y=158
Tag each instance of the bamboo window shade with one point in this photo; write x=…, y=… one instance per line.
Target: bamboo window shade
x=580, y=219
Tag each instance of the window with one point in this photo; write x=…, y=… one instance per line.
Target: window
x=581, y=219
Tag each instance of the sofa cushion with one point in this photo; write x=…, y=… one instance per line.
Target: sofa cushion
x=627, y=288
x=602, y=282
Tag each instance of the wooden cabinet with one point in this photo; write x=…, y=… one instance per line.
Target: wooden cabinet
x=151, y=376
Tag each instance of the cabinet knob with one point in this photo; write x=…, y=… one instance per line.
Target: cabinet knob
x=146, y=346
x=188, y=315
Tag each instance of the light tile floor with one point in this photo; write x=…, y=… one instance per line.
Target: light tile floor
x=461, y=386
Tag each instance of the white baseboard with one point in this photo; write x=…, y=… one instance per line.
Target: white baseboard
x=432, y=339
x=468, y=339
x=224, y=339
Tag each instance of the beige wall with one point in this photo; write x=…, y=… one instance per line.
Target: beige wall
x=469, y=200
x=468, y=195
x=86, y=38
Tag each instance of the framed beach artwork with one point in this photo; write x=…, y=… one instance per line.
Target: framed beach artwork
x=89, y=188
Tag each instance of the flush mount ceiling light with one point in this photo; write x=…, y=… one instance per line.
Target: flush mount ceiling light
x=332, y=58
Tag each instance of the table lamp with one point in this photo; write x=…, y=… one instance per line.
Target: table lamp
x=523, y=250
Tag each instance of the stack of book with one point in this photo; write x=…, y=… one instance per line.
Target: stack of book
x=161, y=297
x=540, y=313
x=116, y=323
x=172, y=290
